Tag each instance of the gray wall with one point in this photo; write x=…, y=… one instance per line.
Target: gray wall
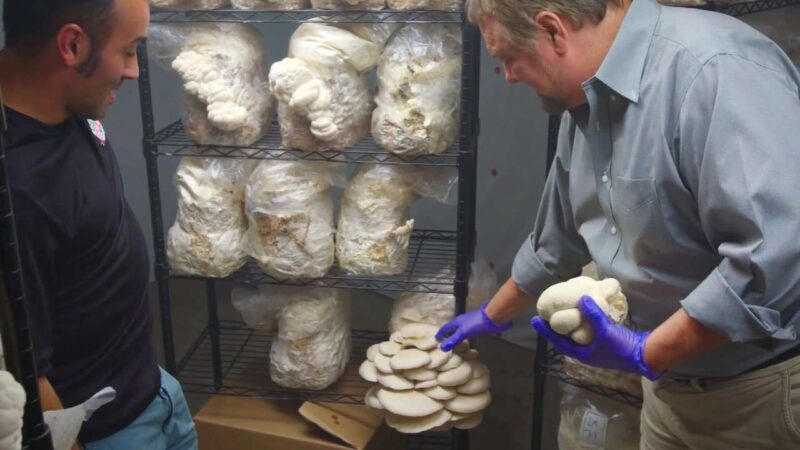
x=510, y=172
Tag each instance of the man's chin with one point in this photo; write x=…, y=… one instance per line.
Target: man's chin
x=553, y=105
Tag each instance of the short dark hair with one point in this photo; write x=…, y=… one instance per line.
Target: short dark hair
x=30, y=24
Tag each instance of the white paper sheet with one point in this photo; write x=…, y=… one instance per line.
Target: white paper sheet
x=65, y=424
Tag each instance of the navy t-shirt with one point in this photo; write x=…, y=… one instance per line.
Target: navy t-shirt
x=85, y=265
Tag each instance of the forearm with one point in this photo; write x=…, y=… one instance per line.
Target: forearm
x=677, y=339
x=50, y=400
x=48, y=396
x=509, y=301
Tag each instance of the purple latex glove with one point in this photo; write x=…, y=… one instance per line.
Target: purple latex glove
x=468, y=325
x=613, y=346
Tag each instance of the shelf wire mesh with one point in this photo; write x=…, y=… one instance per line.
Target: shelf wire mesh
x=245, y=367
x=173, y=141
x=741, y=9
x=305, y=15
x=429, y=251
x=555, y=369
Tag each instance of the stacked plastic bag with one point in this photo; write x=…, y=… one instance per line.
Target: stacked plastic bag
x=188, y=4
x=324, y=100
x=591, y=422
x=312, y=344
x=374, y=224
x=436, y=5
x=224, y=74
x=437, y=308
x=419, y=77
x=270, y=5
x=348, y=4
x=208, y=237
x=290, y=211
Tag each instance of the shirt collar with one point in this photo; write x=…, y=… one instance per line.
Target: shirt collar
x=622, y=68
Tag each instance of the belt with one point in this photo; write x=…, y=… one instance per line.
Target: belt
x=787, y=355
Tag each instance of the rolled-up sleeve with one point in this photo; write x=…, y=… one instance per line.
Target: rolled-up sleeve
x=739, y=153
x=554, y=251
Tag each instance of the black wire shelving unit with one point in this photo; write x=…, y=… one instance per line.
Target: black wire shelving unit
x=304, y=15
x=16, y=339
x=548, y=363
x=428, y=252
x=749, y=7
x=245, y=364
x=228, y=357
x=173, y=141
x=555, y=369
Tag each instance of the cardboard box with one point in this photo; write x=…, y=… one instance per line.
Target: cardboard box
x=245, y=423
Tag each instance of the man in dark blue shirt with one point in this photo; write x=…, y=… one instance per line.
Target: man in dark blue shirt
x=83, y=253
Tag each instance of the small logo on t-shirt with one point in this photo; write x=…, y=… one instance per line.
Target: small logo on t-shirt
x=98, y=130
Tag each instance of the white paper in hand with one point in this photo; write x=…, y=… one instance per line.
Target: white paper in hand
x=65, y=424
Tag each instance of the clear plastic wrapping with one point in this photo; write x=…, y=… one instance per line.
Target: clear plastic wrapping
x=374, y=225
x=259, y=311
x=482, y=283
x=324, y=99
x=208, y=236
x=348, y=4
x=313, y=344
x=592, y=422
x=270, y=5
x=683, y=2
x=424, y=307
x=434, y=5
x=419, y=83
x=290, y=212
x=188, y=4
x=224, y=72
x=611, y=379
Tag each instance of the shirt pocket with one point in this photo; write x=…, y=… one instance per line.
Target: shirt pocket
x=637, y=214
x=631, y=194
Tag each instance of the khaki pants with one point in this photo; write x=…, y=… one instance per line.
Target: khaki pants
x=758, y=410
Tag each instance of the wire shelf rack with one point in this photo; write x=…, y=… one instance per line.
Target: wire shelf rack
x=173, y=141
x=305, y=15
x=741, y=9
x=555, y=369
x=429, y=251
x=245, y=372
x=245, y=367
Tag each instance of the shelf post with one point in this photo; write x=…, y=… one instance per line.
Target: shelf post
x=213, y=332
x=16, y=337
x=161, y=269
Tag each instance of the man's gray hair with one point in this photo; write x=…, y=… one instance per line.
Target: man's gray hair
x=516, y=16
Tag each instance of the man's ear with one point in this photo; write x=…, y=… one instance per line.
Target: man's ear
x=555, y=31
x=73, y=45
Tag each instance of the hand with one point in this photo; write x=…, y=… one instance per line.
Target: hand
x=468, y=325
x=613, y=346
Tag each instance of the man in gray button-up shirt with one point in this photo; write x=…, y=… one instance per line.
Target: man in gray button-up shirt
x=675, y=172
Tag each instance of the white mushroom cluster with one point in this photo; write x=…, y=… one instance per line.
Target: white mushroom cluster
x=208, y=237
x=374, y=226
x=440, y=5
x=558, y=305
x=348, y=4
x=422, y=388
x=228, y=101
x=188, y=4
x=269, y=5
